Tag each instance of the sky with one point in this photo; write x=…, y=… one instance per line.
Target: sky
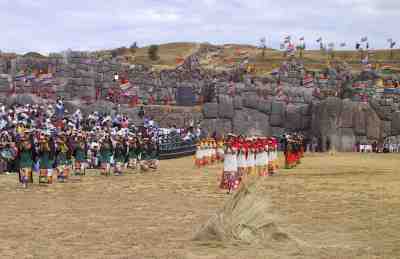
x=53, y=26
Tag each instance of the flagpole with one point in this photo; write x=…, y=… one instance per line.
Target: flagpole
x=391, y=52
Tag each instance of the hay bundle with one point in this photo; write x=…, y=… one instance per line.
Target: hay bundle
x=246, y=218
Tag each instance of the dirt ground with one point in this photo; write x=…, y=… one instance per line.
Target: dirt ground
x=336, y=206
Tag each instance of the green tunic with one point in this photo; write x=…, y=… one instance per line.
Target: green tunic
x=105, y=155
x=133, y=153
x=45, y=161
x=119, y=154
x=80, y=155
x=62, y=158
x=139, y=153
x=25, y=160
x=154, y=154
x=146, y=154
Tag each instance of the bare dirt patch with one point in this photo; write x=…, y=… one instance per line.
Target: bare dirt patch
x=342, y=206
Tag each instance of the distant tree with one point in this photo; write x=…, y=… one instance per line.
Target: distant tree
x=153, y=52
x=134, y=45
x=263, y=45
x=133, y=48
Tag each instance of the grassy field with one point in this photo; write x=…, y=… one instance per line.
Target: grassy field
x=168, y=54
x=337, y=206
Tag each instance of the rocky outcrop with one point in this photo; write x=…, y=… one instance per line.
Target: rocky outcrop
x=226, y=107
x=396, y=123
x=339, y=122
x=251, y=122
x=278, y=110
x=293, y=117
x=343, y=122
x=219, y=126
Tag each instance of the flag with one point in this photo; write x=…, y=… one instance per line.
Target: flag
x=364, y=39
x=319, y=39
x=343, y=44
x=392, y=44
x=291, y=49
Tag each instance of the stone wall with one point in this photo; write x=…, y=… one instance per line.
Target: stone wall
x=343, y=122
x=250, y=105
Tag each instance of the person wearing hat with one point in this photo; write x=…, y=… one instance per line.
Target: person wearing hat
x=95, y=152
x=47, y=155
x=246, y=148
x=133, y=152
x=270, y=156
x=199, y=157
x=265, y=148
x=252, y=157
x=80, y=155
x=229, y=179
x=106, y=152
x=25, y=160
x=145, y=155
x=260, y=157
x=62, y=152
x=119, y=156
x=207, y=152
x=241, y=156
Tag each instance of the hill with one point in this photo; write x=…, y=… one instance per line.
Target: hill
x=229, y=55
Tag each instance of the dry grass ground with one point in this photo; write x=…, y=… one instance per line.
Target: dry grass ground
x=233, y=54
x=341, y=206
x=168, y=53
x=313, y=59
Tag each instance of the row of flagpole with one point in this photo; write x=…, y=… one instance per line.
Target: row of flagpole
x=289, y=46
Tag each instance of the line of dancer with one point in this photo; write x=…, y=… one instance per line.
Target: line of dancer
x=209, y=151
x=242, y=157
x=67, y=154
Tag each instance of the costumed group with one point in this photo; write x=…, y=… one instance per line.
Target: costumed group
x=244, y=156
x=68, y=153
x=48, y=142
